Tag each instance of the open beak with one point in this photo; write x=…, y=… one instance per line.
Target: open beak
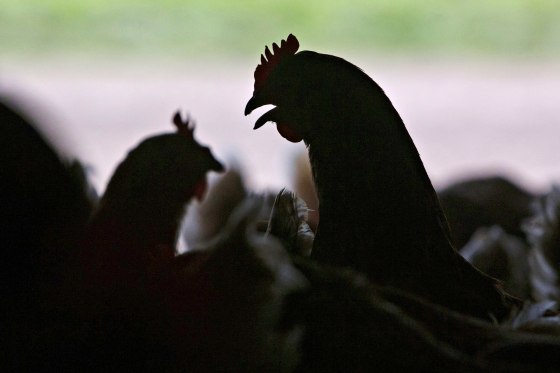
x=283, y=122
x=272, y=115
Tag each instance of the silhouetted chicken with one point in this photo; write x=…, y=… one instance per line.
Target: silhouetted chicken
x=359, y=146
x=44, y=207
x=44, y=204
x=482, y=202
x=127, y=243
x=134, y=231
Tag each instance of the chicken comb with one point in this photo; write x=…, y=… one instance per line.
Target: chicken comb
x=269, y=60
x=184, y=127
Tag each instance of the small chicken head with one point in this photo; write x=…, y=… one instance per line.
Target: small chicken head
x=174, y=164
x=203, y=157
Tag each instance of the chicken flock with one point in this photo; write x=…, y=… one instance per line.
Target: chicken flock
x=377, y=281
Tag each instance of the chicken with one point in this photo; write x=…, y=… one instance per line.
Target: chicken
x=134, y=231
x=44, y=208
x=483, y=202
x=543, y=233
x=128, y=242
x=44, y=204
x=502, y=256
x=359, y=146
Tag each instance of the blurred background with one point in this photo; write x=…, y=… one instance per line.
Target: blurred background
x=476, y=82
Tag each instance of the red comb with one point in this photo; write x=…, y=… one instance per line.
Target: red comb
x=269, y=60
x=186, y=127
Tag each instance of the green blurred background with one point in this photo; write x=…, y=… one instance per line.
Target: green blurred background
x=198, y=29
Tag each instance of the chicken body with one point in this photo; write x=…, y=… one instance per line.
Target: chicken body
x=379, y=213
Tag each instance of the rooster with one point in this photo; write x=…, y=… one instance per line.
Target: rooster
x=358, y=146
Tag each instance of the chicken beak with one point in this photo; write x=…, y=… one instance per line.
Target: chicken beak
x=217, y=166
x=253, y=103
x=270, y=116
